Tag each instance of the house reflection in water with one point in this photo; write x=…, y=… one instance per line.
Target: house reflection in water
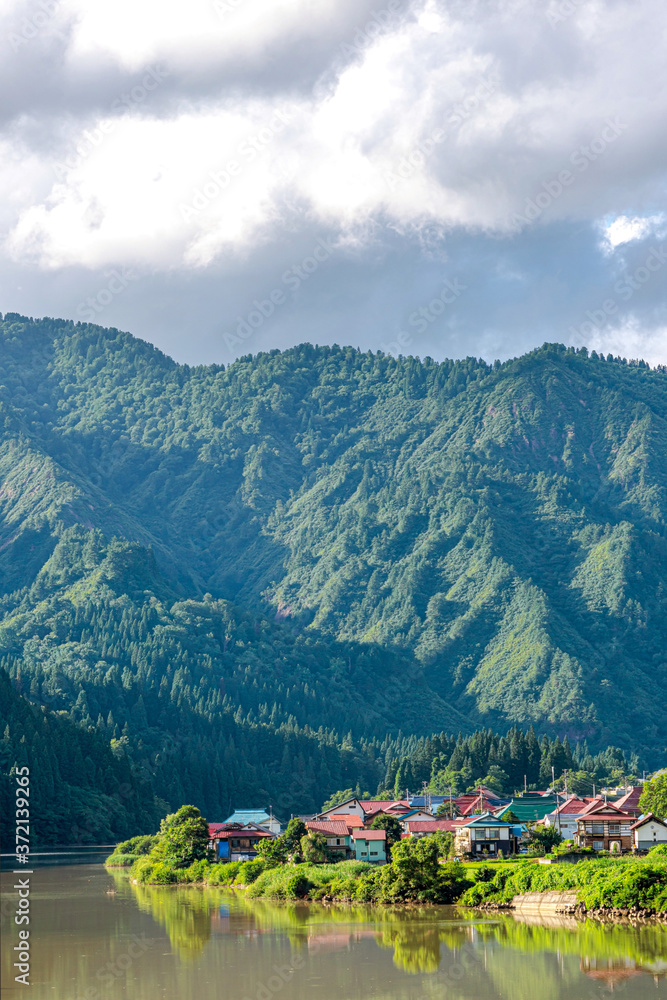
x=612, y=972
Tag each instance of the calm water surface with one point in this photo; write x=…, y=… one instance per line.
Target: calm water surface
x=94, y=935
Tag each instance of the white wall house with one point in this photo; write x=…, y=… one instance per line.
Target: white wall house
x=648, y=832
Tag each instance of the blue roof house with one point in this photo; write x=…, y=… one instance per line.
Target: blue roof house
x=258, y=817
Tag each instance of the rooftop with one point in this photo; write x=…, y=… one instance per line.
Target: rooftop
x=330, y=828
x=369, y=834
x=350, y=819
x=249, y=816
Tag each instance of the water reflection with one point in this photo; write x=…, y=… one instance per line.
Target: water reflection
x=421, y=939
x=98, y=937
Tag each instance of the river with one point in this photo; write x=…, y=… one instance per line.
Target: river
x=95, y=936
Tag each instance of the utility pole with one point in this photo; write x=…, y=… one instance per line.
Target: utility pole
x=553, y=785
x=525, y=784
x=565, y=776
x=451, y=804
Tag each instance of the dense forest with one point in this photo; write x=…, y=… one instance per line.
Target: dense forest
x=267, y=582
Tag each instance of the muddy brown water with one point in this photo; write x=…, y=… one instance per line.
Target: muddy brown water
x=95, y=936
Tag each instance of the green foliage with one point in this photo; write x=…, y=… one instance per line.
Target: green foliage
x=314, y=848
x=138, y=845
x=604, y=882
x=446, y=546
x=546, y=837
x=249, y=871
x=658, y=853
x=118, y=860
x=294, y=834
x=389, y=823
x=654, y=796
x=273, y=851
x=183, y=838
x=415, y=873
x=337, y=798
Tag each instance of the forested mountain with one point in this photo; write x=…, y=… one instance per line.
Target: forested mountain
x=265, y=576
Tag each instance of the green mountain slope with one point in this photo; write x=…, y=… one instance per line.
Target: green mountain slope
x=327, y=539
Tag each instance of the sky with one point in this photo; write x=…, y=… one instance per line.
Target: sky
x=222, y=177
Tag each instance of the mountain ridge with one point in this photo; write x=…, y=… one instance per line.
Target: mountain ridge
x=489, y=537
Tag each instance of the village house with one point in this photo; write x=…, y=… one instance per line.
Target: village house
x=235, y=842
x=365, y=810
x=531, y=807
x=629, y=802
x=566, y=817
x=486, y=835
x=337, y=833
x=604, y=827
x=258, y=816
x=424, y=828
x=370, y=845
x=648, y=832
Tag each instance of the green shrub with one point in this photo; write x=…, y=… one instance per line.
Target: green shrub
x=120, y=860
x=656, y=853
x=138, y=845
x=297, y=886
x=162, y=874
x=153, y=872
x=219, y=875
x=249, y=871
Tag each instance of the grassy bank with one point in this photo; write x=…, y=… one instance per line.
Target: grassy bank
x=599, y=884
x=129, y=851
x=603, y=883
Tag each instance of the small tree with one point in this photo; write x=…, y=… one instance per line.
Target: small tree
x=546, y=837
x=654, y=796
x=183, y=837
x=273, y=852
x=392, y=826
x=314, y=848
x=296, y=830
x=445, y=841
x=416, y=873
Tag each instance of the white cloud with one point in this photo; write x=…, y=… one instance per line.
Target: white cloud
x=420, y=120
x=624, y=229
x=360, y=148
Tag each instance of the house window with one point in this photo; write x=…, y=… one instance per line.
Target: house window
x=614, y=829
x=597, y=829
x=598, y=845
x=373, y=852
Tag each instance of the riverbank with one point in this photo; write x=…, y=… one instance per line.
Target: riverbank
x=608, y=888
